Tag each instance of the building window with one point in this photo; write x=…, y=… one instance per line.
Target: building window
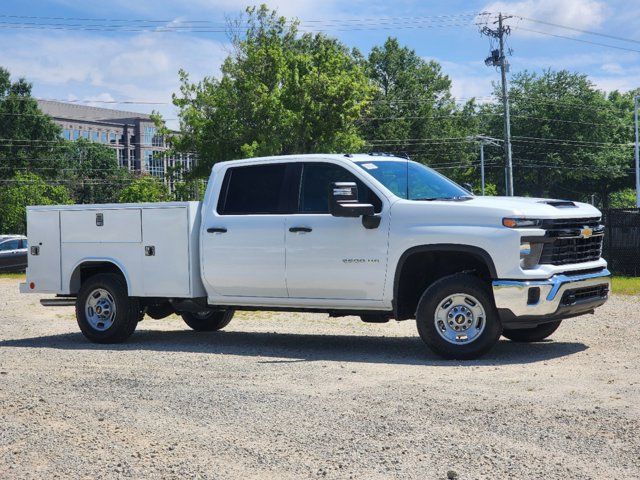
x=76, y=134
x=112, y=137
x=95, y=136
x=84, y=134
x=153, y=163
x=148, y=134
x=66, y=134
x=103, y=137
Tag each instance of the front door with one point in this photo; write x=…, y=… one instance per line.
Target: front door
x=243, y=251
x=330, y=257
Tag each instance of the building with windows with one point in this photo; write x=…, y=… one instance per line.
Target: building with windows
x=133, y=135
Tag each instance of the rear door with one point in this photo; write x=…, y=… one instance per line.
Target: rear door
x=43, y=229
x=242, y=245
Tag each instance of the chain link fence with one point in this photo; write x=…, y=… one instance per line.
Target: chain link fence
x=622, y=241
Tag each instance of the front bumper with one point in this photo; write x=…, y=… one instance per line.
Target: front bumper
x=527, y=303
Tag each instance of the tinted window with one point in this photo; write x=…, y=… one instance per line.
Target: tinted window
x=253, y=190
x=10, y=245
x=314, y=189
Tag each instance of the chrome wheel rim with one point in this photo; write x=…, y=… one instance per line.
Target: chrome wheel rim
x=100, y=309
x=460, y=319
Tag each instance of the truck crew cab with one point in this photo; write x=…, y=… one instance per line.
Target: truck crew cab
x=376, y=236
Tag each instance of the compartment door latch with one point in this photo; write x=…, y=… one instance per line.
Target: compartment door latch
x=149, y=250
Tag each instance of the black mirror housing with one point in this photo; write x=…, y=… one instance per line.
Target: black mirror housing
x=343, y=201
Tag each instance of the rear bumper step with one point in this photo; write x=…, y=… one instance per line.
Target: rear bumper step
x=58, y=302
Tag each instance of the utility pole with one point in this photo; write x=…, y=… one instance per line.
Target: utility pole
x=637, y=149
x=498, y=59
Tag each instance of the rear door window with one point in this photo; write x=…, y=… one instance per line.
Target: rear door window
x=254, y=189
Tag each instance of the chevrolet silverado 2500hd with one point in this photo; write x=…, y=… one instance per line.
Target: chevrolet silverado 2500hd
x=376, y=236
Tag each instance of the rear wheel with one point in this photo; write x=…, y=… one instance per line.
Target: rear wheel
x=208, y=320
x=104, y=311
x=535, y=334
x=457, y=319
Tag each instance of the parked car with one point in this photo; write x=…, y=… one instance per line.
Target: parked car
x=375, y=236
x=13, y=253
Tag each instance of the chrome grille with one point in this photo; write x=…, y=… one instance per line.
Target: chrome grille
x=566, y=244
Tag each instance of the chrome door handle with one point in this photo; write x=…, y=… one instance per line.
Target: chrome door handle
x=300, y=229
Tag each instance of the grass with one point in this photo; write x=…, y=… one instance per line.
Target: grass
x=17, y=276
x=625, y=285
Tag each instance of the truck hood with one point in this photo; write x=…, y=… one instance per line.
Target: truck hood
x=533, y=207
x=490, y=211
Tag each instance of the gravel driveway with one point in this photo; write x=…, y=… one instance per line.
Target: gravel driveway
x=304, y=396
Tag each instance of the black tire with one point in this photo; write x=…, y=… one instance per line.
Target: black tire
x=430, y=302
x=535, y=334
x=127, y=309
x=209, y=320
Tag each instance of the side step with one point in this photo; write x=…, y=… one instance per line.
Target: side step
x=58, y=302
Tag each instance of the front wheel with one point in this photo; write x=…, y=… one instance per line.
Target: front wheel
x=457, y=319
x=208, y=320
x=535, y=334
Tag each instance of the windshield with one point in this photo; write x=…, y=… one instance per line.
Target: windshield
x=423, y=183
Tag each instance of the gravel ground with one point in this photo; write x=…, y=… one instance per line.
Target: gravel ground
x=304, y=396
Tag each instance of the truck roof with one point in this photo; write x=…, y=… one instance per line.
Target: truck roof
x=353, y=157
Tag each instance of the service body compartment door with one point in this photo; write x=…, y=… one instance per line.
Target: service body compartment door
x=43, y=231
x=107, y=225
x=165, y=252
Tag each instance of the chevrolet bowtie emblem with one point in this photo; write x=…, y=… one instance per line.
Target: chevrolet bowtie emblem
x=586, y=232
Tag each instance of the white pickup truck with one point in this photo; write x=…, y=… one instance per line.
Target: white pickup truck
x=376, y=236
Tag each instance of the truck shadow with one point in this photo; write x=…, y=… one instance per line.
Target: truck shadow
x=289, y=347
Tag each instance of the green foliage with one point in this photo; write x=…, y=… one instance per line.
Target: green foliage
x=623, y=199
x=580, y=128
x=30, y=138
x=25, y=189
x=145, y=189
x=412, y=104
x=280, y=93
x=94, y=173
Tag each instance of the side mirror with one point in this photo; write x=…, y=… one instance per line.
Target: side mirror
x=343, y=201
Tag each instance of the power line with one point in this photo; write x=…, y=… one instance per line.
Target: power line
x=588, y=32
x=577, y=39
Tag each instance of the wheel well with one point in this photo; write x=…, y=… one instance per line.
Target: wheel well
x=88, y=269
x=420, y=267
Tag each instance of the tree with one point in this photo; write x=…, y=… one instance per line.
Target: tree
x=279, y=93
x=94, y=172
x=412, y=110
x=567, y=137
x=145, y=189
x=28, y=138
x=25, y=189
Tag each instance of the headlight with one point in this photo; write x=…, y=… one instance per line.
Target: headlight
x=521, y=222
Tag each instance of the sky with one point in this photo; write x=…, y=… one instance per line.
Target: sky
x=102, y=65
